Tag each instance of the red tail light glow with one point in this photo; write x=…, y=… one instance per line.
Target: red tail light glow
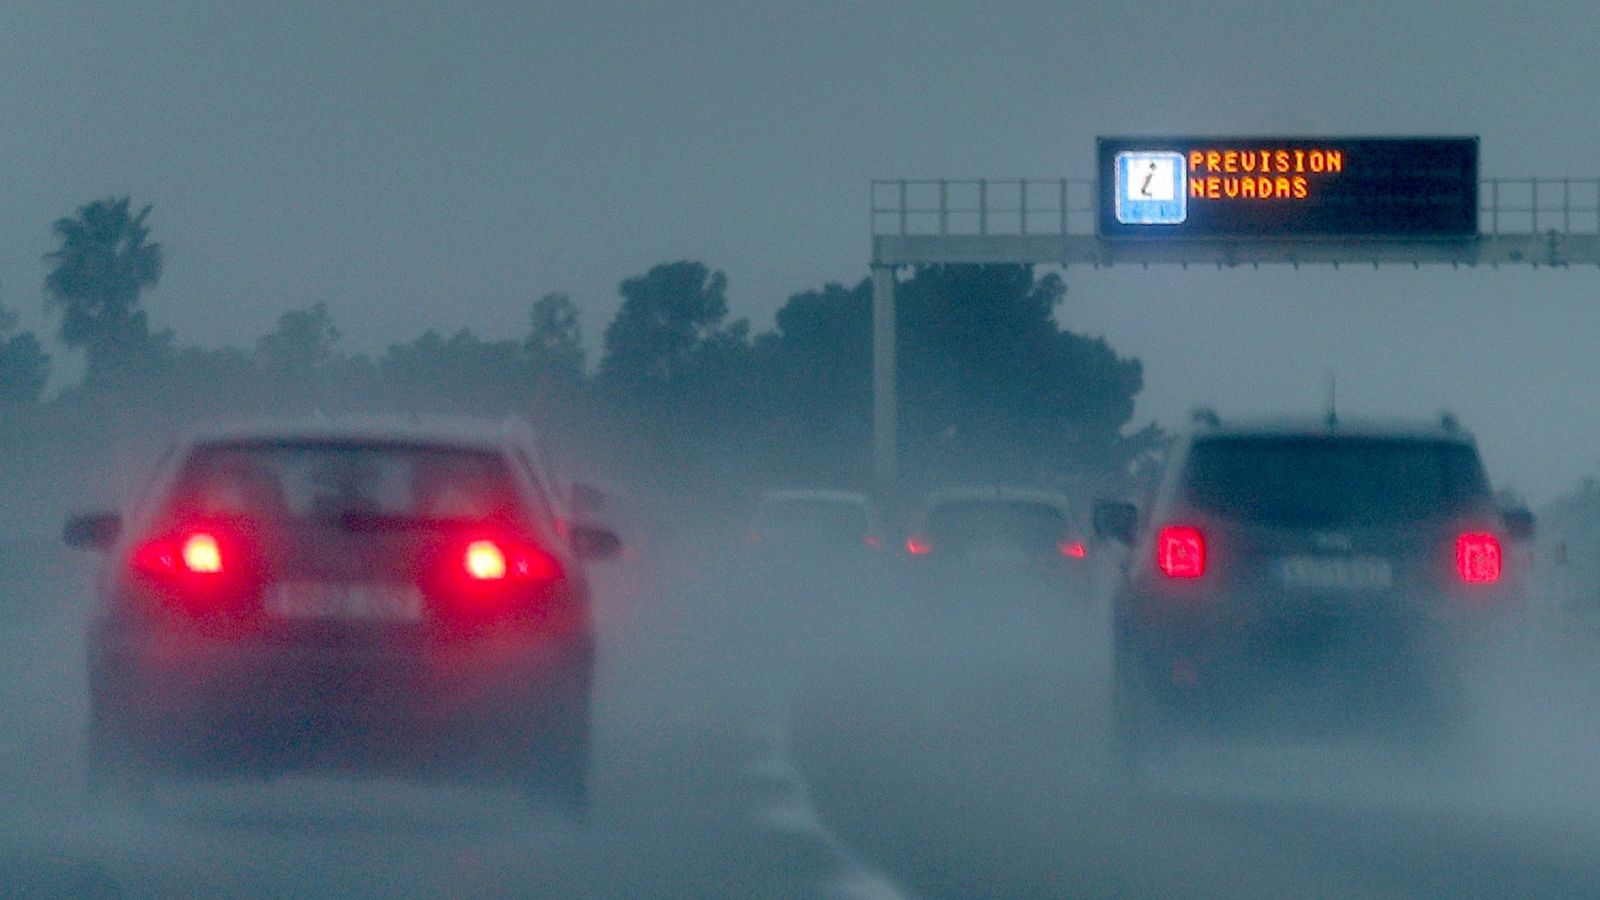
x=199, y=553
x=1073, y=549
x=1478, y=558
x=872, y=542
x=918, y=546
x=1181, y=551
x=494, y=561
x=485, y=561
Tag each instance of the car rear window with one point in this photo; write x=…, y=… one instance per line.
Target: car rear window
x=312, y=481
x=813, y=516
x=963, y=522
x=1321, y=482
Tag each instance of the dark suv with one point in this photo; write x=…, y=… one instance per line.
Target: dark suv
x=1310, y=578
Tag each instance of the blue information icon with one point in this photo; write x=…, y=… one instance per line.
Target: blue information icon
x=1151, y=188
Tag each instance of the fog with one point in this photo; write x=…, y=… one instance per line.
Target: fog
x=806, y=724
x=644, y=233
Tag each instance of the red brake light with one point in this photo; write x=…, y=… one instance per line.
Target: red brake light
x=485, y=561
x=199, y=553
x=156, y=557
x=488, y=560
x=1181, y=551
x=918, y=546
x=1073, y=549
x=1478, y=558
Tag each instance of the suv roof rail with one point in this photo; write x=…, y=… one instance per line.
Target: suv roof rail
x=1205, y=415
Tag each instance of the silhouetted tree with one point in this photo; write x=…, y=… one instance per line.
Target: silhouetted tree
x=992, y=389
x=668, y=316
x=555, y=342
x=816, y=384
x=303, y=342
x=103, y=261
x=461, y=374
x=678, y=380
x=24, y=366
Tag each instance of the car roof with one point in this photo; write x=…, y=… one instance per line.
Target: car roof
x=1443, y=429
x=832, y=496
x=463, y=432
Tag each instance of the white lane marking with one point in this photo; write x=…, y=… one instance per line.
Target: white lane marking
x=793, y=813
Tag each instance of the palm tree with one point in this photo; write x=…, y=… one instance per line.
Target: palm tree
x=103, y=261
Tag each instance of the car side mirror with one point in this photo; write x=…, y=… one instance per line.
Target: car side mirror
x=1519, y=523
x=1116, y=520
x=92, y=531
x=594, y=543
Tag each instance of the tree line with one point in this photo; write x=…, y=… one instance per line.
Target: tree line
x=991, y=388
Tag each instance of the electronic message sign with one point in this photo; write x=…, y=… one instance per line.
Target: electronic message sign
x=1296, y=188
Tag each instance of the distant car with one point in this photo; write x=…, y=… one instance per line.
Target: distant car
x=793, y=523
x=1307, y=578
x=347, y=598
x=998, y=526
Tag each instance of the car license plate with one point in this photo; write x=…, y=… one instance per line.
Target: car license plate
x=355, y=601
x=1346, y=573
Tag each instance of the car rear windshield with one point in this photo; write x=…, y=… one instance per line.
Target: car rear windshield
x=965, y=522
x=1320, y=482
x=813, y=516
x=322, y=480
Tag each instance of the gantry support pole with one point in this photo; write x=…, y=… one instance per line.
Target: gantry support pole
x=884, y=439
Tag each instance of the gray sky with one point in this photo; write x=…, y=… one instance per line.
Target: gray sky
x=440, y=166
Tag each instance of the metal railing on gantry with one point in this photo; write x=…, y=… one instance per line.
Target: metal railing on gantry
x=1521, y=221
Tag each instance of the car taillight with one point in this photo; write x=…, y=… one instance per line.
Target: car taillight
x=485, y=561
x=1181, y=551
x=1478, y=558
x=201, y=555
x=500, y=561
x=197, y=553
x=1073, y=549
x=916, y=545
x=202, y=571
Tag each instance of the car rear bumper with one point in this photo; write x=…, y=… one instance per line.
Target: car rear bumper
x=1222, y=661
x=170, y=678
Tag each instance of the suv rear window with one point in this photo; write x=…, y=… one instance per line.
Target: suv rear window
x=1331, y=482
x=960, y=523
x=314, y=481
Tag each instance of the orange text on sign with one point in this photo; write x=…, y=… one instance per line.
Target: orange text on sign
x=1261, y=187
x=1266, y=162
x=1234, y=174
